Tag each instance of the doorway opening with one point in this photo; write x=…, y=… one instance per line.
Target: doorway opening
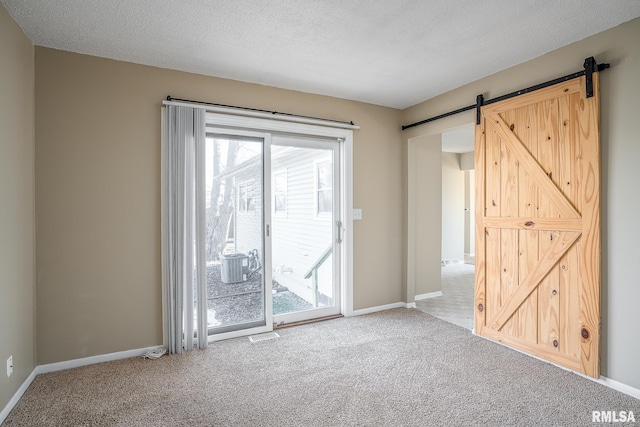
x=454, y=301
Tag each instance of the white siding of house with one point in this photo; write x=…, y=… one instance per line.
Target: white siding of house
x=299, y=238
x=248, y=225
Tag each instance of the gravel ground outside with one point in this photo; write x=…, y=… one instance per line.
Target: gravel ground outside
x=234, y=303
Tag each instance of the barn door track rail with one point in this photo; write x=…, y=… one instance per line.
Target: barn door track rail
x=590, y=66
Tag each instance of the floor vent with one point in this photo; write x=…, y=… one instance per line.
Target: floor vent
x=263, y=337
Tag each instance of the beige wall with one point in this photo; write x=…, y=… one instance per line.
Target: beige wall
x=17, y=227
x=423, y=243
x=470, y=212
x=98, y=196
x=467, y=161
x=452, y=208
x=620, y=127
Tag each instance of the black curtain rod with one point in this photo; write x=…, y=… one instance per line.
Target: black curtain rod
x=257, y=110
x=590, y=67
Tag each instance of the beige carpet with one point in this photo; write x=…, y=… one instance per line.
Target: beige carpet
x=456, y=303
x=395, y=368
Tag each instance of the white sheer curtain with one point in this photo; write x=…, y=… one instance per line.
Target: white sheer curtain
x=183, y=211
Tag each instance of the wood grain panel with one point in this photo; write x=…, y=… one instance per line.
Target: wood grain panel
x=565, y=165
x=565, y=172
x=547, y=261
x=532, y=98
x=548, y=299
x=508, y=173
x=492, y=271
x=528, y=259
x=509, y=278
x=527, y=131
x=569, y=302
x=492, y=174
x=547, y=159
x=575, y=193
x=538, y=271
x=492, y=208
x=533, y=168
x=527, y=223
x=480, y=283
x=589, y=289
x=535, y=349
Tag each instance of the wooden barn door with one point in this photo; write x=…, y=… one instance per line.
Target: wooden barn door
x=538, y=225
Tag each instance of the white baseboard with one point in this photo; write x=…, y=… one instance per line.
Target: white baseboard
x=411, y=305
x=616, y=385
x=607, y=382
x=92, y=360
x=17, y=396
x=428, y=295
x=377, y=308
x=69, y=364
x=613, y=384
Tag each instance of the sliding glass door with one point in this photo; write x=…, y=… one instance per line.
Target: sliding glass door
x=273, y=229
x=234, y=240
x=305, y=241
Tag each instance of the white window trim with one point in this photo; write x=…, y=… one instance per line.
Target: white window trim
x=246, y=184
x=321, y=216
x=284, y=213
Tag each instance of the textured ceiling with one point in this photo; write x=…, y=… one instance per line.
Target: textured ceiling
x=395, y=53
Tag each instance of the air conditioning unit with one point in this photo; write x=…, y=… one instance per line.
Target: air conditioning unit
x=234, y=268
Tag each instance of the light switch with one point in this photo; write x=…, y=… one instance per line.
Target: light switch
x=357, y=214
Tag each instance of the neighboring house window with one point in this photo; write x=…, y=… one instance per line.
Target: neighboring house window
x=246, y=199
x=280, y=192
x=324, y=187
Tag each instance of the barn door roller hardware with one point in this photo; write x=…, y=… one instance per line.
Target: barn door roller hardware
x=479, y=104
x=590, y=66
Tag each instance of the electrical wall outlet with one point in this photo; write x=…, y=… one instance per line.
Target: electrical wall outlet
x=9, y=366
